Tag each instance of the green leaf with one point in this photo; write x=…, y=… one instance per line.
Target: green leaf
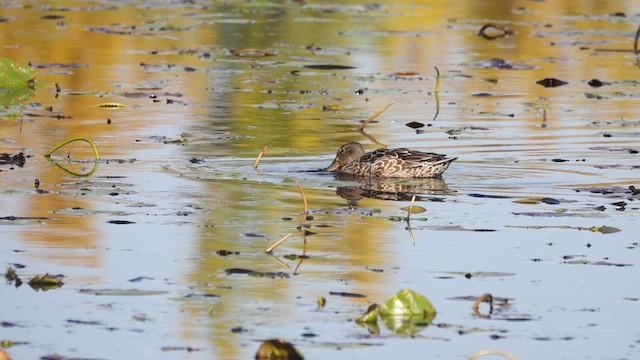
x=408, y=302
x=16, y=82
x=15, y=75
x=604, y=229
x=407, y=312
x=371, y=316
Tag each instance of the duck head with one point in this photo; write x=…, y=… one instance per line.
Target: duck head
x=347, y=153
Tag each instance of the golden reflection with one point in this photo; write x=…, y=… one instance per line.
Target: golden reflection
x=239, y=104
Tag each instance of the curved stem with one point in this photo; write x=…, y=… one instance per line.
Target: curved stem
x=55, y=148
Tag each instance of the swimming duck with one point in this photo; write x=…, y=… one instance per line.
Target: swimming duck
x=402, y=163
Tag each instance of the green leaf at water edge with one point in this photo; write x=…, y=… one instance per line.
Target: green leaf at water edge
x=17, y=82
x=408, y=302
x=407, y=312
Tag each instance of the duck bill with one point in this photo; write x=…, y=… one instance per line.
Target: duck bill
x=335, y=166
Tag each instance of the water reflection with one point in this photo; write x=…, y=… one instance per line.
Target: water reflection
x=391, y=189
x=232, y=106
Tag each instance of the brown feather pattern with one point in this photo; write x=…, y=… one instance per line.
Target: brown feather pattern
x=402, y=162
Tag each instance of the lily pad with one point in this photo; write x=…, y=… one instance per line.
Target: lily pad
x=407, y=302
x=46, y=282
x=17, y=82
x=405, y=313
x=414, y=210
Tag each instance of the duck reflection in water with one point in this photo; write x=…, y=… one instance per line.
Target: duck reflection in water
x=392, y=189
x=389, y=174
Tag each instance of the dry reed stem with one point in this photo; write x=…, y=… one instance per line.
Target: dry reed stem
x=306, y=206
x=413, y=199
x=493, y=352
x=373, y=140
x=282, y=263
x=635, y=42
x=255, y=163
x=437, y=93
x=413, y=240
x=295, y=271
x=482, y=298
x=377, y=113
x=304, y=242
x=278, y=242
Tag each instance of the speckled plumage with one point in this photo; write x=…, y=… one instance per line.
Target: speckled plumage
x=403, y=163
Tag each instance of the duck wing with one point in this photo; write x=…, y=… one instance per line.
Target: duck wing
x=415, y=158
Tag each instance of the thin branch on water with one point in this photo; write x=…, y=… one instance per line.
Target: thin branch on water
x=437, y=93
x=278, y=242
x=488, y=297
x=306, y=206
x=413, y=199
x=373, y=140
x=413, y=241
x=255, y=163
x=636, y=51
x=304, y=242
x=635, y=43
x=372, y=117
x=282, y=263
x=295, y=271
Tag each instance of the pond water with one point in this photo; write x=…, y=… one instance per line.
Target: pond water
x=536, y=211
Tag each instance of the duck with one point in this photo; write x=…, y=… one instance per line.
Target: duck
x=352, y=159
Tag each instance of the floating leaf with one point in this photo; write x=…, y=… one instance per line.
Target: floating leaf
x=17, y=82
x=604, y=229
x=46, y=282
x=8, y=159
x=328, y=67
x=277, y=349
x=111, y=105
x=414, y=210
x=414, y=124
x=494, y=31
x=405, y=73
x=527, y=201
x=251, y=53
x=15, y=75
x=407, y=302
x=331, y=107
x=551, y=82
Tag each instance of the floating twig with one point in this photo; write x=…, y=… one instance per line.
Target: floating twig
x=492, y=352
x=306, y=207
x=255, y=163
x=278, y=242
x=489, y=298
x=436, y=92
x=635, y=42
x=636, y=51
x=413, y=199
x=282, y=263
x=377, y=113
x=413, y=241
